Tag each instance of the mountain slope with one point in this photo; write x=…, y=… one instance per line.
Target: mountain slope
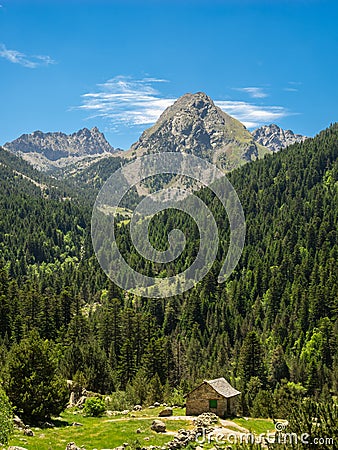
x=193, y=124
x=284, y=290
x=51, y=150
x=275, y=138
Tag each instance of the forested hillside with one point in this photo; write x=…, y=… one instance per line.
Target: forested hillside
x=271, y=328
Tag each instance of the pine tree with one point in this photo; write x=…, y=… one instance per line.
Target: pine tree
x=32, y=382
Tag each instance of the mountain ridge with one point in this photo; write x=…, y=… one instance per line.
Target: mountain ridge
x=275, y=137
x=51, y=150
x=194, y=124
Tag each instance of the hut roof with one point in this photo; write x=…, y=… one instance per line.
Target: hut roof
x=222, y=386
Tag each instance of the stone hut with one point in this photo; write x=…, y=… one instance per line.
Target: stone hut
x=217, y=396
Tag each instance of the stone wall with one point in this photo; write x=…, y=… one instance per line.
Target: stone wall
x=197, y=402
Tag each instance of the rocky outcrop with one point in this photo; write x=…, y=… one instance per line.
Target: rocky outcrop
x=275, y=138
x=194, y=124
x=18, y=423
x=55, y=149
x=58, y=145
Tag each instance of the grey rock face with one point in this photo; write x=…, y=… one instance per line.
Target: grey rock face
x=275, y=138
x=194, y=124
x=49, y=151
x=59, y=145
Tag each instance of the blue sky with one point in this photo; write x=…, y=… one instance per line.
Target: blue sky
x=65, y=65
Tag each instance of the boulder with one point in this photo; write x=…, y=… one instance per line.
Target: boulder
x=156, y=404
x=158, y=426
x=166, y=412
x=137, y=408
x=28, y=432
x=77, y=424
x=73, y=446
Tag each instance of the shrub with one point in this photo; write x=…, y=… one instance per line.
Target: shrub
x=94, y=406
x=6, y=418
x=32, y=382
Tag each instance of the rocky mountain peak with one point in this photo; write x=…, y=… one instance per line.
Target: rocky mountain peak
x=194, y=124
x=275, y=138
x=44, y=150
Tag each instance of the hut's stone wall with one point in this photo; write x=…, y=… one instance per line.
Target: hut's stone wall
x=198, y=402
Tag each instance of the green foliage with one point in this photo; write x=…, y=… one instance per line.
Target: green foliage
x=119, y=401
x=274, y=319
x=32, y=382
x=94, y=406
x=6, y=418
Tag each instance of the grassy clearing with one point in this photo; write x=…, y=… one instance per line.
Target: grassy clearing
x=100, y=433
x=256, y=426
x=109, y=432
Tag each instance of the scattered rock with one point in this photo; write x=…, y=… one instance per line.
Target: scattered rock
x=77, y=424
x=125, y=412
x=151, y=407
x=73, y=446
x=137, y=408
x=205, y=419
x=157, y=404
x=139, y=431
x=158, y=426
x=166, y=412
x=28, y=432
x=14, y=447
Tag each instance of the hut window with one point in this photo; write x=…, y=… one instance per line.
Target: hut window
x=212, y=403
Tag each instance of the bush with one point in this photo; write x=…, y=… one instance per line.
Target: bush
x=6, y=418
x=94, y=406
x=119, y=401
x=31, y=380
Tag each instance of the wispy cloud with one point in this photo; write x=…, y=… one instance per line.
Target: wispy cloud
x=290, y=89
x=127, y=101
x=16, y=57
x=252, y=115
x=130, y=102
x=254, y=92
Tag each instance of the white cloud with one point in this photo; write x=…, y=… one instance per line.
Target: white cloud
x=127, y=101
x=254, y=92
x=17, y=57
x=252, y=115
x=130, y=102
